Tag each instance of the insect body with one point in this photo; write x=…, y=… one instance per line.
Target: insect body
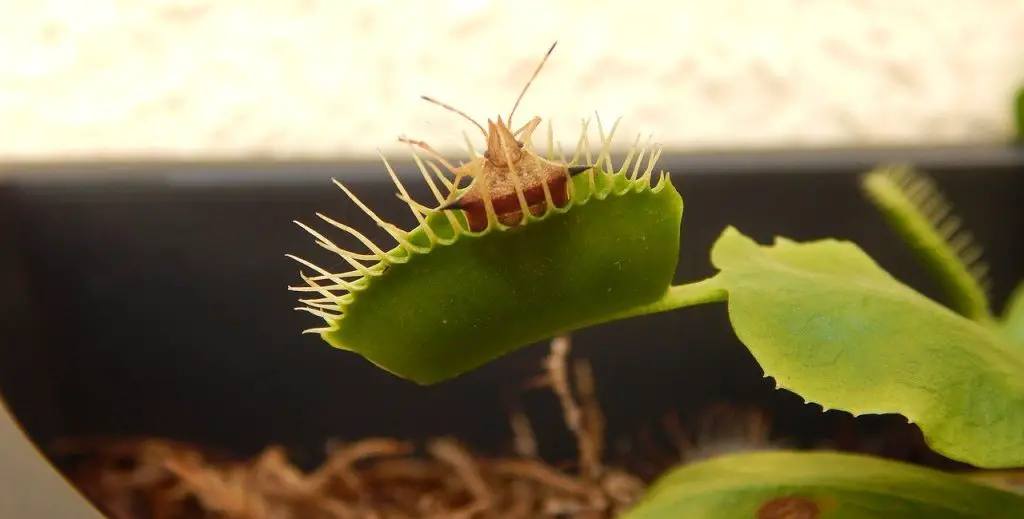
x=509, y=179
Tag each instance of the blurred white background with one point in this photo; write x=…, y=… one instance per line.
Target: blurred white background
x=314, y=78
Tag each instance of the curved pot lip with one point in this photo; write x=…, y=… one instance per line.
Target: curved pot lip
x=29, y=485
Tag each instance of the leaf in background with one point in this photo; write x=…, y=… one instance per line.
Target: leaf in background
x=1011, y=480
x=1013, y=316
x=916, y=209
x=819, y=485
x=1018, y=114
x=832, y=326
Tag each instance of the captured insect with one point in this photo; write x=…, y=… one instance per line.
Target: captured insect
x=509, y=179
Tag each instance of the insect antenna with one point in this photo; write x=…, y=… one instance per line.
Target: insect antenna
x=528, y=83
x=456, y=110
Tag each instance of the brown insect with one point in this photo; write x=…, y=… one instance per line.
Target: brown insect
x=508, y=177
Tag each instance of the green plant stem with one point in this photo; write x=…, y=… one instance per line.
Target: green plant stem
x=681, y=296
x=676, y=297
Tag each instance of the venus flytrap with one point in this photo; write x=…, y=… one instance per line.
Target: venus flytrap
x=447, y=298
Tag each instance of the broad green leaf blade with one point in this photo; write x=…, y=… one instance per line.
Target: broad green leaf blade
x=1013, y=317
x=462, y=304
x=830, y=325
x=819, y=485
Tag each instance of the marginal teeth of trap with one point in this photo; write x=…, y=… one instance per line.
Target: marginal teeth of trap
x=606, y=143
x=980, y=271
x=582, y=145
x=449, y=185
x=935, y=208
x=923, y=195
x=636, y=166
x=651, y=162
x=948, y=227
x=416, y=206
x=401, y=189
x=970, y=254
x=359, y=267
x=315, y=303
x=399, y=235
x=337, y=276
x=551, y=142
x=326, y=291
x=630, y=155
x=452, y=220
x=348, y=255
x=960, y=241
x=329, y=316
x=318, y=331
x=473, y=155
x=313, y=286
x=377, y=251
x=586, y=142
x=321, y=288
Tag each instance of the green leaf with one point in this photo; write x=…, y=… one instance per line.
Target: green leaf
x=819, y=485
x=1013, y=317
x=1018, y=114
x=829, y=324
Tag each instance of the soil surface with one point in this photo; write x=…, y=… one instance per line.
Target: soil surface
x=386, y=478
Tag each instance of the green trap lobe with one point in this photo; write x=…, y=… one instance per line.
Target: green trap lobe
x=460, y=305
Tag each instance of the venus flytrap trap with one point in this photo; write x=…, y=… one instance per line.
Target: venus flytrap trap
x=916, y=210
x=447, y=298
x=535, y=247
